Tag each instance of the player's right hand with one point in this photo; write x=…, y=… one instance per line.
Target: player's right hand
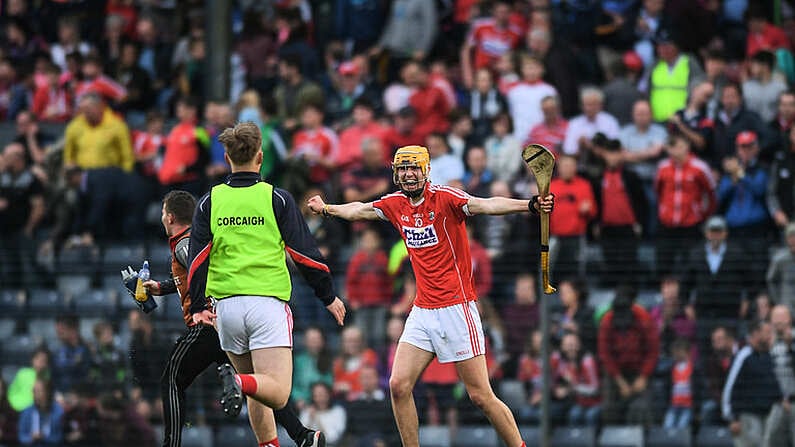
x=337, y=309
x=205, y=317
x=152, y=287
x=316, y=204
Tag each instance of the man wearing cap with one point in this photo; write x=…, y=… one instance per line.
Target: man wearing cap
x=741, y=193
x=671, y=77
x=781, y=273
x=715, y=274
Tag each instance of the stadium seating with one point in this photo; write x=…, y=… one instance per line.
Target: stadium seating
x=621, y=436
x=117, y=257
x=714, y=436
x=573, y=437
x=72, y=284
x=284, y=438
x=668, y=437
x=476, y=436
x=197, y=437
x=17, y=349
x=434, y=436
x=12, y=302
x=235, y=436
x=96, y=303
x=7, y=327
x=532, y=435
x=43, y=328
x=45, y=303
x=512, y=392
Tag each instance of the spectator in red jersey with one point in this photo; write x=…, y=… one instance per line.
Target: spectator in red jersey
x=427, y=100
x=484, y=102
x=520, y=317
x=576, y=381
x=369, y=286
x=52, y=102
x=364, y=127
x=685, y=193
x=622, y=210
x=94, y=80
x=316, y=145
x=628, y=349
x=403, y=132
x=147, y=148
x=763, y=35
x=551, y=132
x=490, y=38
x=440, y=78
x=353, y=357
x=186, y=151
x=576, y=207
x=684, y=387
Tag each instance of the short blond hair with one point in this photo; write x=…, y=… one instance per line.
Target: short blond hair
x=241, y=142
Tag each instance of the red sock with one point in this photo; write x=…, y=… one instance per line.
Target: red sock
x=272, y=443
x=523, y=444
x=248, y=384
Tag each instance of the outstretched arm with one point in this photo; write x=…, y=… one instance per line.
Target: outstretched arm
x=504, y=205
x=347, y=211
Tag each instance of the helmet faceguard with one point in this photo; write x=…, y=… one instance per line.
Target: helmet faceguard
x=411, y=156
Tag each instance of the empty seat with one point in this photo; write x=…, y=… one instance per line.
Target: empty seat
x=7, y=327
x=18, y=349
x=621, y=436
x=43, y=328
x=80, y=259
x=117, y=257
x=573, y=437
x=714, y=436
x=9, y=372
x=476, y=436
x=434, y=436
x=235, y=436
x=159, y=260
x=45, y=303
x=12, y=302
x=512, y=392
x=95, y=303
x=668, y=437
x=72, y=284
x=197, y=437
x=284, y=438
x=530, y=434
x=87, y=327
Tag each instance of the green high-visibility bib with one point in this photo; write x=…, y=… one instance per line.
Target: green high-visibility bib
x=668, y=89
x=247, y=256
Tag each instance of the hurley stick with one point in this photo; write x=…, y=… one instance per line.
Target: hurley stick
x=542, y=163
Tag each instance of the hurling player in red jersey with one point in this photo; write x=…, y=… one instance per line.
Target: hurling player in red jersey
x=444, y=321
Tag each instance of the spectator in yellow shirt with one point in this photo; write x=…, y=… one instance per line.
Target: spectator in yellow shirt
x=98, y=141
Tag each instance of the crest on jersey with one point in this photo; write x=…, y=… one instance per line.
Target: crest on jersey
x=420, y=237
x=431, y=214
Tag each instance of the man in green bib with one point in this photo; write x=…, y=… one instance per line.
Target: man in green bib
x=241, y=230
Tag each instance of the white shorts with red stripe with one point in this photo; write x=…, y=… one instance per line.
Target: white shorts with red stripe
x=454, y=333
x=246, y=323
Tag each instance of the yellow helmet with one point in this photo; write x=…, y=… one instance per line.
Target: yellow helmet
x=411, y=156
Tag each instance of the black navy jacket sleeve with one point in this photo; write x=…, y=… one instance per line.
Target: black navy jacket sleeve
x=301, y=246
x=199, y=254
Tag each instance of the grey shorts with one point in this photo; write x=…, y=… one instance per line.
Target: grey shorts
x=246, y=323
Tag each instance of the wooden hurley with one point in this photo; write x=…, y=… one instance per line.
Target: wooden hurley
x=542, y=163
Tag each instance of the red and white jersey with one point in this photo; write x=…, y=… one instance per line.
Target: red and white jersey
x=685, y=192
x=434, y=232
x=491, y=41
x=102, y=85
x=322, y=143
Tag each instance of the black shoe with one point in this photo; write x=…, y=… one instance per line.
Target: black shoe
x=232, y=397
x=314, y=439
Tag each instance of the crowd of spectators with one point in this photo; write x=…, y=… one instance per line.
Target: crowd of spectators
x=672, y=122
